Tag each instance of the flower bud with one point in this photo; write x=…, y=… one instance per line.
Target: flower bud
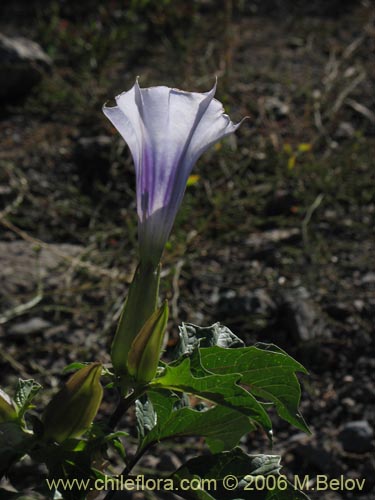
x=8, y=410
x=72, y=410
x=144, y=353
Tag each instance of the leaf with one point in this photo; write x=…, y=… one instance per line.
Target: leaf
x=192, y=336
x=77, y=365
x=219, y=389
x=267, y=371
x=8, y=409
x=192, y=494
x=213, y=469
x=222, y=427
x=25, y=393
x=235, y=462
x=118, y=445
x=146, y=416
x=72, y=367
x=212, y=472
x=115, y=435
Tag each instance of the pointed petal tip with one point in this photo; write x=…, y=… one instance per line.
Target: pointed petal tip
x=105, y=107
x=119, y=96
x=245, y=118
x=212, y=91
x=108, y=110
x=216, y=80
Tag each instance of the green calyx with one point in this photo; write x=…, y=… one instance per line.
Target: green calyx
x=72, y=410
x=8, y=410
x=144, y=353
x=140, y=304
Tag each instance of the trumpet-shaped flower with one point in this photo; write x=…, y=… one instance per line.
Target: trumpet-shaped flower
x=167, y=130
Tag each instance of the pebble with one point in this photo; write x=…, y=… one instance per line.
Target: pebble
x=356, y=436
x=301, y=317
x=22, y=65
x=30, y=327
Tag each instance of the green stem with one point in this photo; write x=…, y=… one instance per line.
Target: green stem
x=129, y=467
x=123, y=406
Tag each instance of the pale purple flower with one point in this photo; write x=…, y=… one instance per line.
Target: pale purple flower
x=167, y=130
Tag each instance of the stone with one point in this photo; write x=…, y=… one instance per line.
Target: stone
x=356, y=436
x=368, y=278
x=150, y=462
x=338, y=310
x=251, y=302
x=22, y=266
x=300, y=316
x=345, y=130
x=313, y=455
x=30, y=327
x=22, y=65
x=273, y=236
x=276, y=107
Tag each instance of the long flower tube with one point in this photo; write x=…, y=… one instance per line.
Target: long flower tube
x=167, y=130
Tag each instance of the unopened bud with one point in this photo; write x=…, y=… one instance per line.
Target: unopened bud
x=72, y=410
x=144, y=353
x=8, y=410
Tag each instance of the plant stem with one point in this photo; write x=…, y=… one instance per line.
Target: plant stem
x=128, y=468
x=123, y=406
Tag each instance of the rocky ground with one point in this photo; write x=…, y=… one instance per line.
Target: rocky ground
x=274, y=239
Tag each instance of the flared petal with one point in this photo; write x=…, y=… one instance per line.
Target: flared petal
x=127, y=123
x=166, y=130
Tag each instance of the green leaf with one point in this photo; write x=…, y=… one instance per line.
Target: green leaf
x=73, y=367
x=222, y=427
x=146, y=416
x=192, y=336
x=192, y=494
x=8, y=409
x=219, y=389
x=77, y=365
x=267, y=371
x=25, y=393
x=69, y=464
x=235, y=462
x=115, y=440
x=212, y=473
x=118, y=445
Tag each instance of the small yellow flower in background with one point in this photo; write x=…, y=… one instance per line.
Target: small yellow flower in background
x=304, y=147
x=193, y=179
